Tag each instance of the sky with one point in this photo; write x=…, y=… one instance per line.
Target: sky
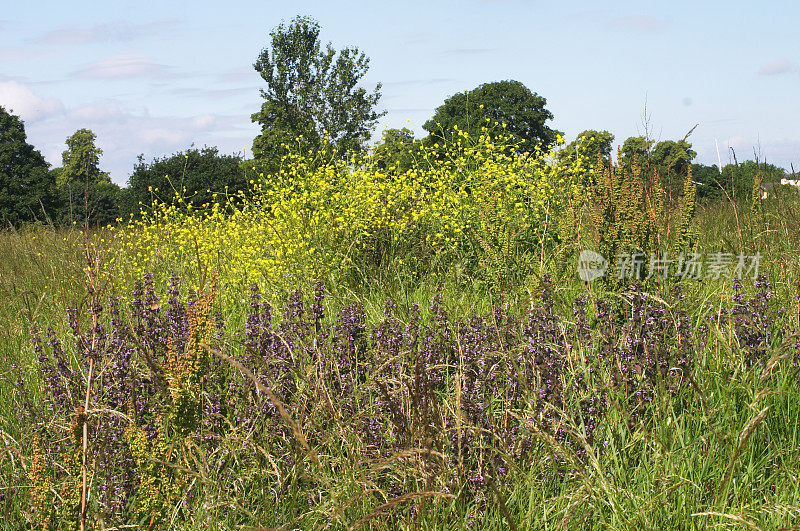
x=153, y=78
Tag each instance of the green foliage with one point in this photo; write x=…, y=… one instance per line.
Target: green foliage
x=672, y=157
x=160, y=483
x=312, y=95
x=736, y=181
x=161, y=478
x=350, y=218
x=635, y=150
x=709, y=181
x=199, y=176
x=625, y=219
x=591, y=150
x=27, y=190
x=509, y=104
x=669, y=159
x=85, y=192
x=688, y=206
x=396, y=150
x=672, y=161
x=726, y=443
x=589, y=144
x=497, y=235
x=81, y=160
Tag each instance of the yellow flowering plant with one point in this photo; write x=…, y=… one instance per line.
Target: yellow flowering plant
x=318, y=214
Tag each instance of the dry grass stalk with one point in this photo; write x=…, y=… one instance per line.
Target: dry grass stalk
x=743, y=438
x=379, y=510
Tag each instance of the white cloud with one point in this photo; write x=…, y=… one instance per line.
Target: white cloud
x=213, y=94
x=107, y=111
x=122, y=67
x=159, y=135
x=204, y=121
x=781, y=66
x=639, y=23
x=118, y=31
x=239, y=73
x=26, y=104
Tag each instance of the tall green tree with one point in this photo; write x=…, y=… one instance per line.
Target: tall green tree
x=508, y=103
x=87, y=193
x=27, y=190
x=80, y=162
x=312, y=94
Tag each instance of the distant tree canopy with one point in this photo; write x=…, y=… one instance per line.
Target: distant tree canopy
x=395, y=151
x=673, y=156
x=709, y=181
x=27, y=189
x=194, y=174
x=312, y=93
x=504, y=102
x=82, y=184
x=590, y=145
x=635, y=149
x=735, y=182
x=670, y=159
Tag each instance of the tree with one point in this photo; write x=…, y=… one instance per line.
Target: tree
x=81, y=160
x=508, y=103
x=195, y=175
x=592, y=149
x=672, y=160
x=736, y=181
x=669, y=159
x=396, y=149
x=710, y=184
x=673, y=157
x=87, y=193
x=635, y=149
x=312, y=94
x=589, y=146
x=27, y=190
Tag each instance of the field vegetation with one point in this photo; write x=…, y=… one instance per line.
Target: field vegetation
x=484, y=328
x=353, y=345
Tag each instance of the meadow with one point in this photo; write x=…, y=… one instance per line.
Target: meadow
x=358, y=346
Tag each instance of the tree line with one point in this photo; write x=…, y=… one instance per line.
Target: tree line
x=313, y=102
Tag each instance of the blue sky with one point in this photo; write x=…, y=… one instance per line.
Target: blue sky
x=153, y=78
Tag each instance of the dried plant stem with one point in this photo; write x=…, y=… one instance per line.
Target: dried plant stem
x=85, y=449
x=379, y=511
x=92, y=273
